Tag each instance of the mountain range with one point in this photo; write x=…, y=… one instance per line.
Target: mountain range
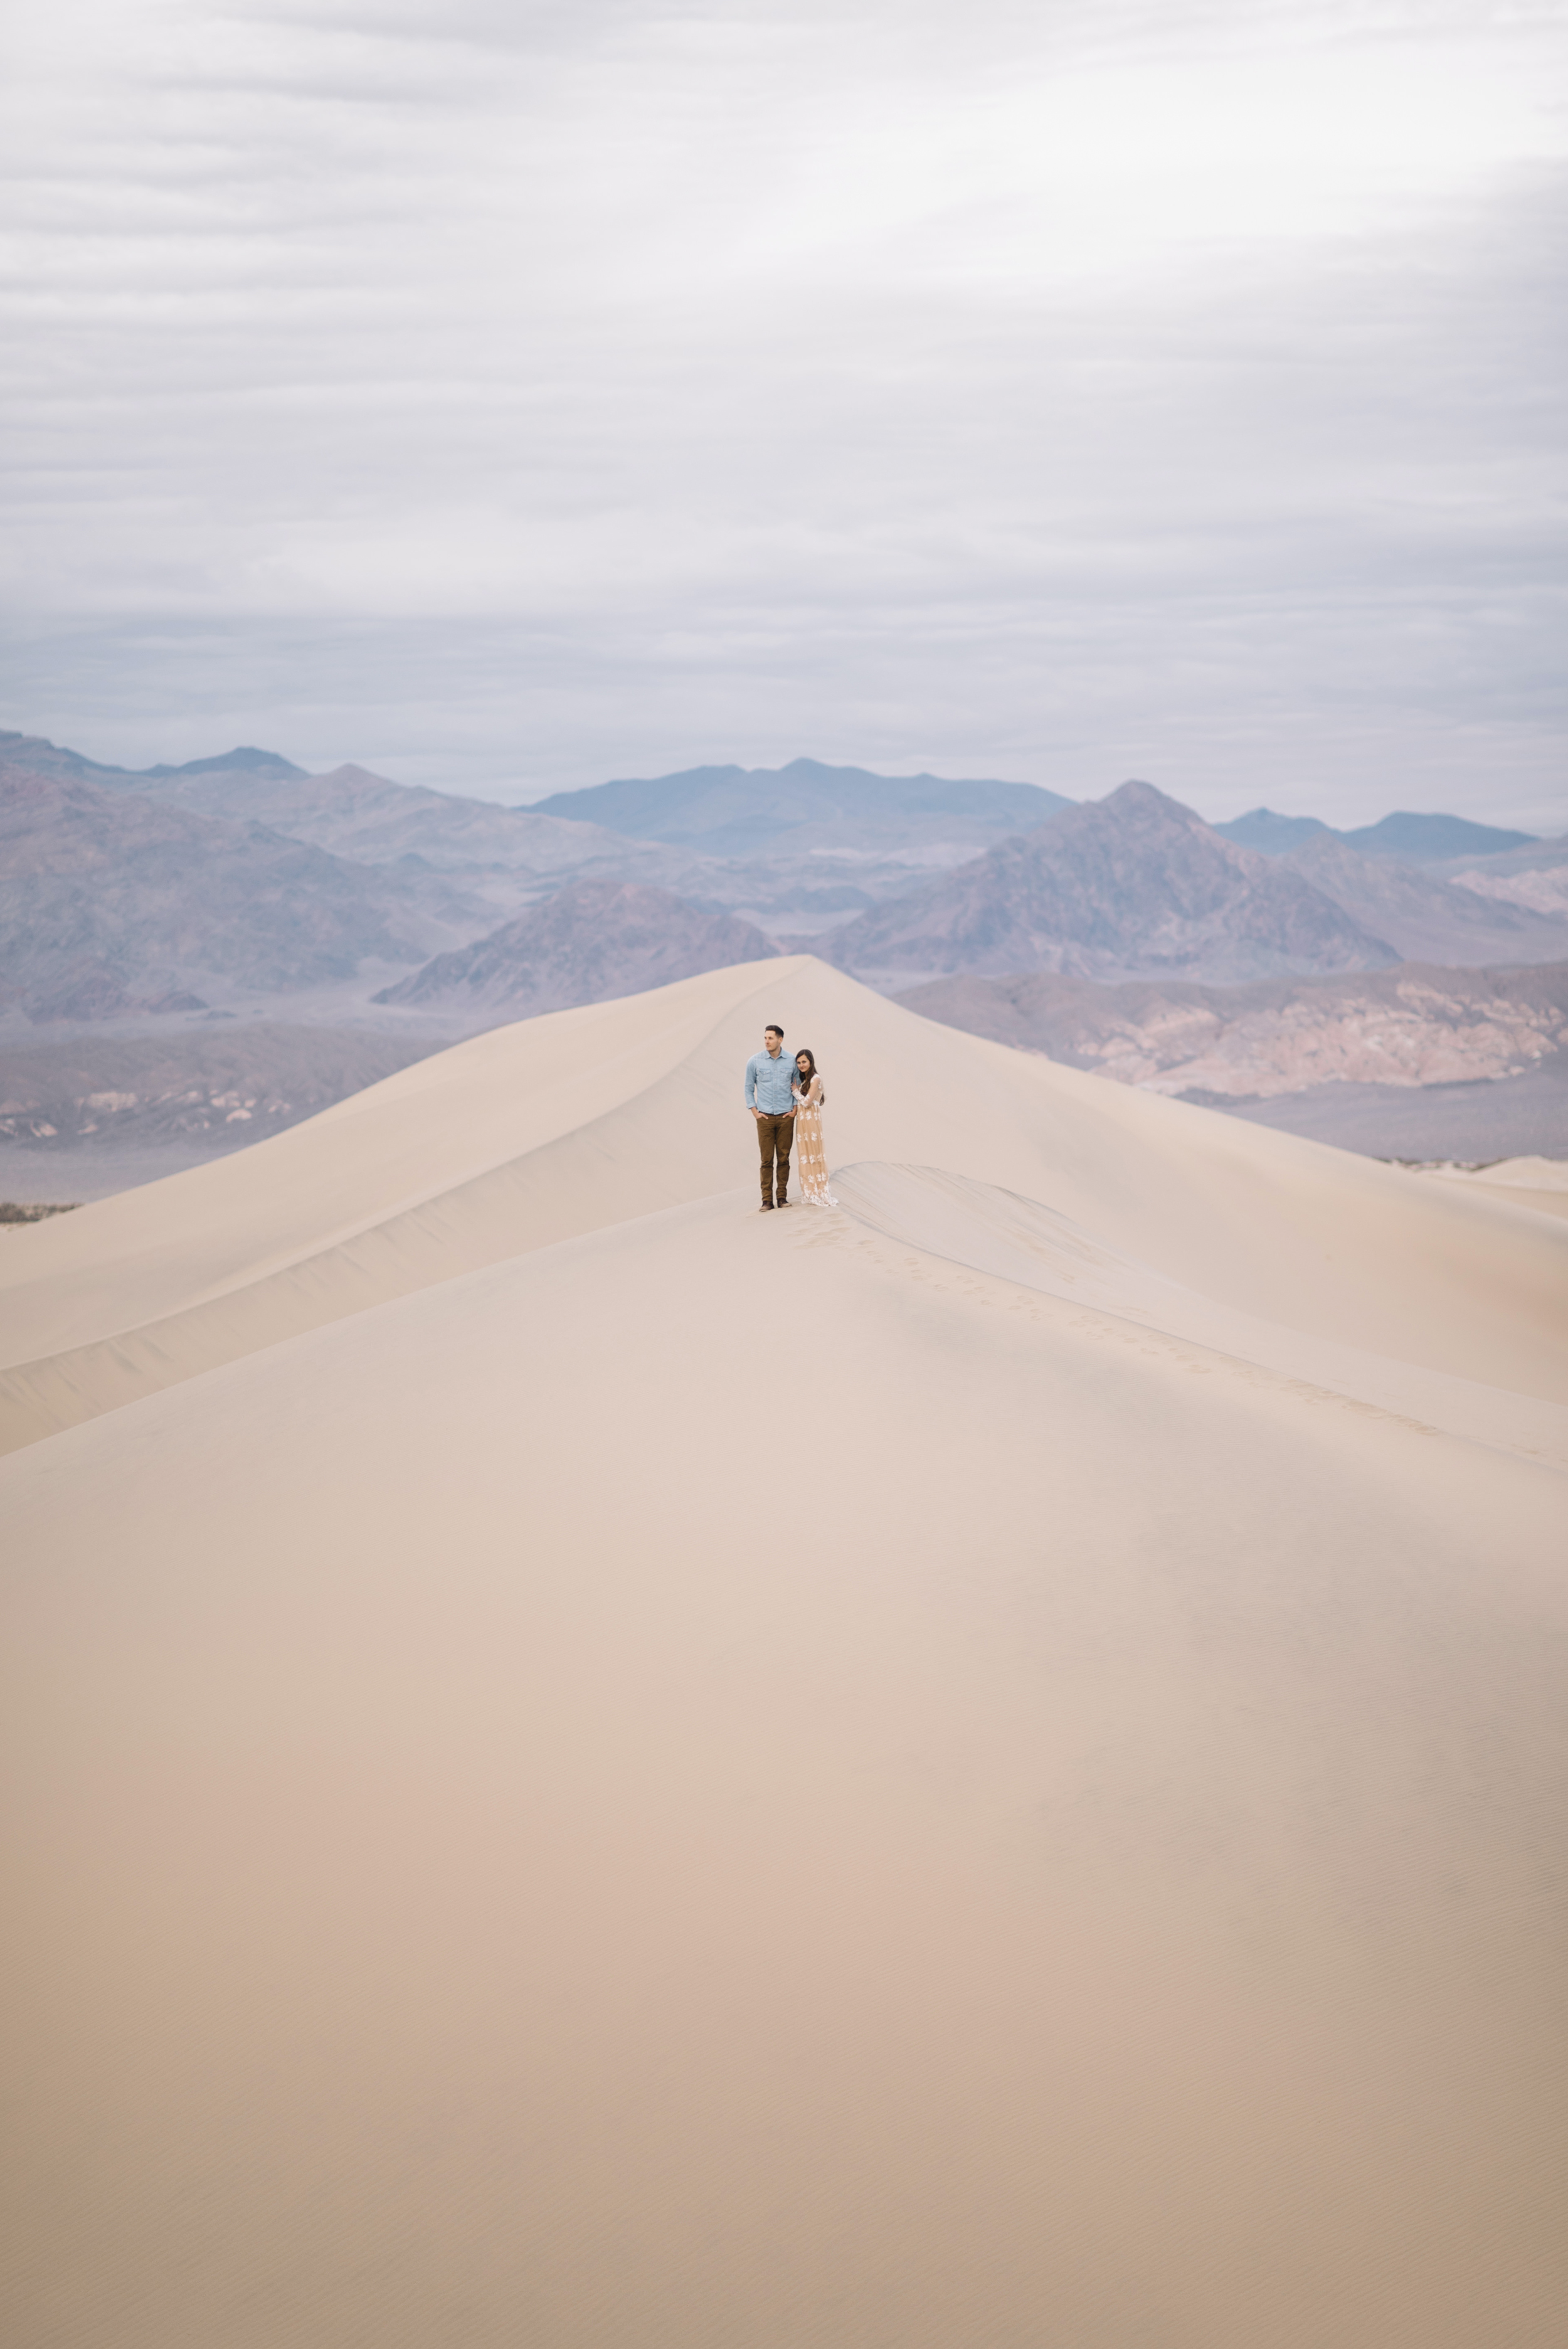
x=42, y=757
x=1137, y=885
x=594, y=940
x=811, y=810
x=1422, y=917
x=112, y=907
x=242, y=874
x=239, y=884
x=1130, y=886
x=801, y=848
x=496, y=851
x=1410, y=839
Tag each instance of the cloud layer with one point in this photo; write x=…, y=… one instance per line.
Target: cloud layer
x=513, y=396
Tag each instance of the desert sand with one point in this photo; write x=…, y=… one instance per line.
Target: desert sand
x=1533, y=1182
x=586, y=1766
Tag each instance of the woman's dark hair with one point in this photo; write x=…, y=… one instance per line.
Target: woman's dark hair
x=804, y=1055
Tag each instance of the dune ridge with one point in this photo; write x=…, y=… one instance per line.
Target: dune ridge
x=588, y=1765
x=557, y=1125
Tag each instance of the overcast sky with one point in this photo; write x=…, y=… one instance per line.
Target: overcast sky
x=511, y=394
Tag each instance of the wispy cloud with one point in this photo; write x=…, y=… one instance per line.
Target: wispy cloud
x=518, y=394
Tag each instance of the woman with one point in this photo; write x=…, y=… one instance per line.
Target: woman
x=810, y=1157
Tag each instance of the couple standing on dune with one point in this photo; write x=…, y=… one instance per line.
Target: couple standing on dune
x=786, y=1096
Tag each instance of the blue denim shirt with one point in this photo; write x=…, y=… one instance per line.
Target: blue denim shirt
x=768, y=1082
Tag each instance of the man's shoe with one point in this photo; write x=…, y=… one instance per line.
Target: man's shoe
x=766, y=1209
x=781, y=1203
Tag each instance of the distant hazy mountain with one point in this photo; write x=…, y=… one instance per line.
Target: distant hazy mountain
x=595, y=939
x=42, y=758
x=1414, y=839
x=358, y=814
x=508, y=855
x=1273, y=835
x=112, y=903
x=122, y=902
x=1423, y=918
x=1416, y=1025
x=227, y=763
x=1132, y=886
x=740, y=812
x=1428, y=839
x=45, y=757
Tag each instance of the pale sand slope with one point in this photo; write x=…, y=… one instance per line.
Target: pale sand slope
x=737, y=1782
x=1541, y=1182
x=563, y=1124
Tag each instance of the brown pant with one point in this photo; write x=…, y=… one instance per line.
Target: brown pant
x=774, y=1135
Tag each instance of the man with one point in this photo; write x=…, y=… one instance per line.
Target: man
x=768, y=1076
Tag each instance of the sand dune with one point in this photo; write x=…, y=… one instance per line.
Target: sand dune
x=559, y=1126
x=1533, y=1182
x=590, y=1766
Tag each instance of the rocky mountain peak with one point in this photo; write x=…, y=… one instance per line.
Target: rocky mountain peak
x=1132, y=886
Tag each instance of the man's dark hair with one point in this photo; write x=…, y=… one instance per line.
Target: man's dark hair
x=772, y=1028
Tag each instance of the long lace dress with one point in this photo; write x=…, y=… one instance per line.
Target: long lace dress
x=810, y=1159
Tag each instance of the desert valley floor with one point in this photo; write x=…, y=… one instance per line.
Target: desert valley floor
x=587, y=1767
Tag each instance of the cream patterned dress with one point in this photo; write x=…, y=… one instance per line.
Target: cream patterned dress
x=810, y=1159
